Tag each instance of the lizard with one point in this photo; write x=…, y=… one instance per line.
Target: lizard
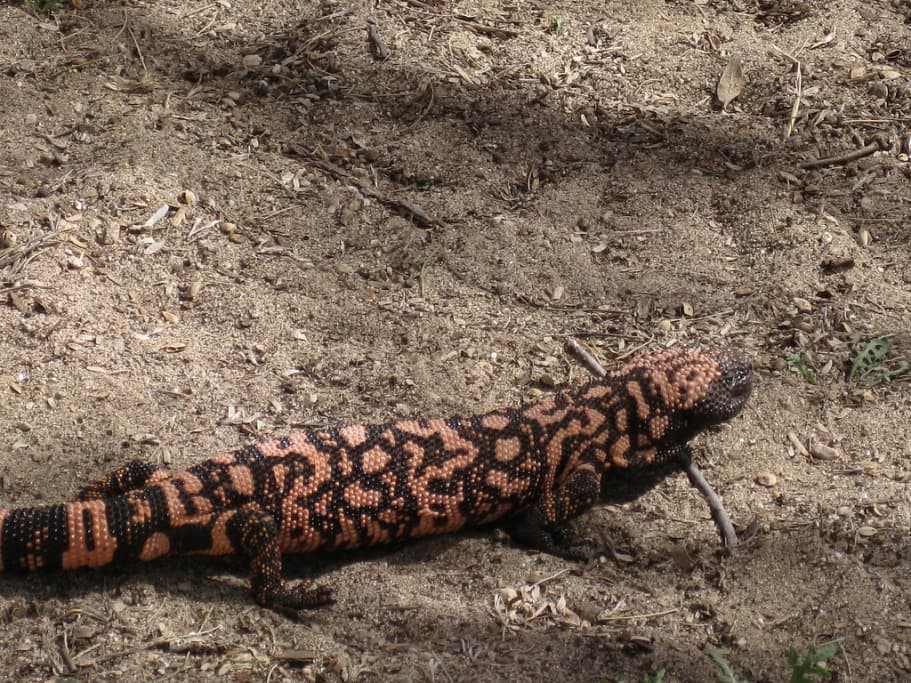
x=531, y=468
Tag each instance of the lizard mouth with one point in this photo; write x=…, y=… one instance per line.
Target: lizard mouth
x=737, y=374
x=729, y=392
x=741, y=391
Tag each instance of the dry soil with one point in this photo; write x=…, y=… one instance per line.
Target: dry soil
x=232, y=219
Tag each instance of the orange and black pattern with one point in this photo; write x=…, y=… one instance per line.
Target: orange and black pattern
x=533, y=467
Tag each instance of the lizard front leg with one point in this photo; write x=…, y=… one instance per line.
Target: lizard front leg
x=621, y=485
x=537, y=526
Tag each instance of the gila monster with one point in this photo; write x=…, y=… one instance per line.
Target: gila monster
x=532, y=467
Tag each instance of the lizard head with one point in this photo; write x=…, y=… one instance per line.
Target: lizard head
x=723, y=388
x=672, y=395
x=676, y=393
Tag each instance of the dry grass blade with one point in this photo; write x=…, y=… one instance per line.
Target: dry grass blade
x=17, y=257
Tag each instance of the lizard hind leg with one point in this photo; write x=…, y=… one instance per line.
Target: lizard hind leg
x=254, y=534
x=130, y=477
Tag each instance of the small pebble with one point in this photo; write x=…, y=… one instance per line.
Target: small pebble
x=766, y=479
x=251, y=61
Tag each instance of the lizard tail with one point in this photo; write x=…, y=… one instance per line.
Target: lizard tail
x=97, y=532
x=84, y=533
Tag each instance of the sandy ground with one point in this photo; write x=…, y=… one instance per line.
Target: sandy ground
x=357, y=230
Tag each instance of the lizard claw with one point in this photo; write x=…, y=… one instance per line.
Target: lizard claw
x=303, y=596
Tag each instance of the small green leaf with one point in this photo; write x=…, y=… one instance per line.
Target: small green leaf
x=903, y=368
x=871, y=364
x=44, y=6
x=798, y=363
x=727, y=675
x=810, y=668
x=867, y=356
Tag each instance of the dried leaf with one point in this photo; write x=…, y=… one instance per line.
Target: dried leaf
x=153, y=248
x=730, y=85
x=157, y=216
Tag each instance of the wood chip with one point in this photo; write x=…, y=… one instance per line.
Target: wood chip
x=378, y=47
x=18, y=302
x=194, y=289
x=820, y=451
x=111, y=233
x=295, y=656
x=798, y=444
x=75, y=261
x=179, y=217
x=153, y=248
x=802, y=305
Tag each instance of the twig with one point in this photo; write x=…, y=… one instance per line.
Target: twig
x=879, y=144
x=716, y=507
x=135, y=42
x=631, y=617
x=477, y=27
x=404, y=206
x=893, y=119
x=581, y=354
x=65, y=653
x=193, y=637
x=273, y=214
x=197, y=10
x=541, y=582
x=430, y=101
x=378, y=47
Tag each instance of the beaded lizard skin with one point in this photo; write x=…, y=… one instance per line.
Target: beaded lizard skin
x=533, y=467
